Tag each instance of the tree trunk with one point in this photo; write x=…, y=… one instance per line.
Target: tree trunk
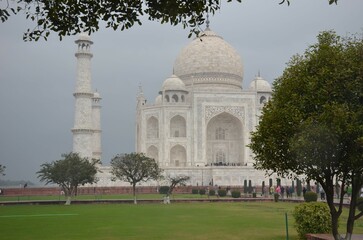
x=68, y=201
x=356, y=185
x=329, y=191
x=68, y=193
x=134, y=192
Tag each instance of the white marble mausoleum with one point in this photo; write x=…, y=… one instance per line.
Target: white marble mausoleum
x=201, y=120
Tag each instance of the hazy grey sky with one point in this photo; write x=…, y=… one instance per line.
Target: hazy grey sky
x=37, y=79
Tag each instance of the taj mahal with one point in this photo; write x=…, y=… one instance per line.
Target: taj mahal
x=199, y=124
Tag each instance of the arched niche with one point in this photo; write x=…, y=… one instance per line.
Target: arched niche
x=178, y=156
x=152, y=152
x=152, y=128
x=177, y=126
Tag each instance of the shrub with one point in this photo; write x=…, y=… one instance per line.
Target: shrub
x=312, y=217
x=212, y=192
x=222, y=192
x=360, y=204
x=310, y=197
x=236, y=194
x=276, y=197
x=164, y=189
x=195, y=191
x=202, y=191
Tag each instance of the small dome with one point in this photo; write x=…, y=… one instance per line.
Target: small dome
x=158, y=100
x=260, y=85
x=173, y=83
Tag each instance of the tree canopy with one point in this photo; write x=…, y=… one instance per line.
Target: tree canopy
x=69, y=17
x=175, y=181
x=69, y=173
x=2, y=170
x=314, y=123
x=135, y=168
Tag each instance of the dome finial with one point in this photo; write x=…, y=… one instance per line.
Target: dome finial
x=140, y=89
x=259, y=74
x=207, y=22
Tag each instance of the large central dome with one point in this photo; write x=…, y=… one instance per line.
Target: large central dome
x=210, y=63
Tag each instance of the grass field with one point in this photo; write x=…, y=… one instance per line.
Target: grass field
x=150, y=221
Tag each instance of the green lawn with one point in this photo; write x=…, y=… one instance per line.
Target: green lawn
x=254, y=220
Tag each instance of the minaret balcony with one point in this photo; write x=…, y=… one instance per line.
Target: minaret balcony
x=83, y=94
x=82, y=130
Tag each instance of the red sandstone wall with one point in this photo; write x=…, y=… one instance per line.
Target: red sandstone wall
x=44, y=191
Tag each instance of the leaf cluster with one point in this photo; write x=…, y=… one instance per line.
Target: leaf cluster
x=69, y=172
x=311, y=218
x=69, y=17
x=2, y=170
x=134, y=168
x=314, y=123
x=174, y=181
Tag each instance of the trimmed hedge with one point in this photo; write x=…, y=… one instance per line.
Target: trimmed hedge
x=164, y=189
x=212, y=192
x=312, y=217
x=236, y=194
x=202, y=191
x=276, y=197
x=310, y=197
x=222, y=192
x=195, y=191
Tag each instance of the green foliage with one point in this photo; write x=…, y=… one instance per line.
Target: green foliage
x=175, y=181
x=312, y=218
x=212, y=192
x=202, y=191
x=236, y=194
x=2, y=170
x=222, y=192
x=135, y=168
x=314, y=123
x=310, y=197
x=69, y=172
x=63, y=18
x=360, y=204
x=276, y=197
x=195, y=191
x=163, y=189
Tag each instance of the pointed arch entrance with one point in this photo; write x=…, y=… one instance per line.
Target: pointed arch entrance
x=224, y=141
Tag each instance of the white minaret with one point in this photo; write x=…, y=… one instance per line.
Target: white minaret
x=83, y=128
x=96, y=121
